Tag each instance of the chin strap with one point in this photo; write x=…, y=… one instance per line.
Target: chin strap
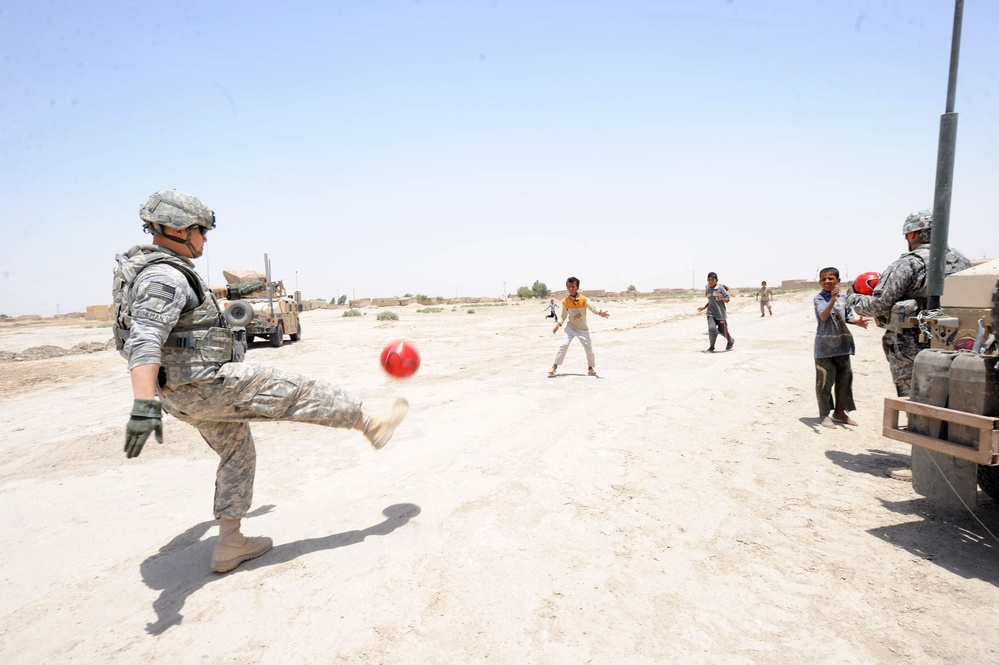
x=187, y=241
x=157, y=230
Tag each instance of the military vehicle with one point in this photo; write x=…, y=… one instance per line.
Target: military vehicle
x=269, y=312
x=952, y=413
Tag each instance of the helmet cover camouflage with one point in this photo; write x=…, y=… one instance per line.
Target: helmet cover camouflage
x=918, y=221
x=176, y=210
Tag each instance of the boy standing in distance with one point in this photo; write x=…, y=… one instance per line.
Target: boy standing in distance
x=574, y=309
x=717, y=319
x=765, y=295
x=833, y=348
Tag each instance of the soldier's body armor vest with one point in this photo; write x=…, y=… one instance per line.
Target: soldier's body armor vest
x=915, y=299
x=201, y=341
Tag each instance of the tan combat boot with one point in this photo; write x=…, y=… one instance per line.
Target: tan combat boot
x=233, y=548
x=380, y=430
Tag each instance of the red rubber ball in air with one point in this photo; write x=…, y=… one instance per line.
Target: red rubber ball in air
x=400, y=359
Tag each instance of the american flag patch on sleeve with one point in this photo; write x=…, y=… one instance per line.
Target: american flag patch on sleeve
x=163, y=292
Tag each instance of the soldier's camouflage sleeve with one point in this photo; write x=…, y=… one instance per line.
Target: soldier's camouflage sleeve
x=956, y=261
x=849, y=313
x=897, y=282
x=158, y=298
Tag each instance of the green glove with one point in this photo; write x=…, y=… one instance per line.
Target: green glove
x=147, y=417
x=240, y=290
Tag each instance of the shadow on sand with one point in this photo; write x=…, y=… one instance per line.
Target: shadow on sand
x=181, y=567
x=873, y=462
x=965, y=544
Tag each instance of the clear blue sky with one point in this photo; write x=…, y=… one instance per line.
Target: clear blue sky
x=444, y=147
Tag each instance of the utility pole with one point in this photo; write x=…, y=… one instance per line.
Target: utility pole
x=946, y=145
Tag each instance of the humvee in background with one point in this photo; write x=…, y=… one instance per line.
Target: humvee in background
x=269, y=312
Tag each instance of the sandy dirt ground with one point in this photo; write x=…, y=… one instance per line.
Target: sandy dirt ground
x=682, y=507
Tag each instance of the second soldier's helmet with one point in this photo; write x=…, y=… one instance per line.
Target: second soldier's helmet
x=918, y=221
x=178, y=210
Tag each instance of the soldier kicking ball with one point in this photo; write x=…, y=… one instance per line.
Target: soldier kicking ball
x=179, y=347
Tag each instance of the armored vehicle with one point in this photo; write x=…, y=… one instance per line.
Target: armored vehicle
x=268, y=312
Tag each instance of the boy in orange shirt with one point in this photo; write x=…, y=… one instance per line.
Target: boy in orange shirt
x=574, y=309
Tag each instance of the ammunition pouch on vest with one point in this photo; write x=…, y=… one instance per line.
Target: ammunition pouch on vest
x=213, y=345
x=902, y=313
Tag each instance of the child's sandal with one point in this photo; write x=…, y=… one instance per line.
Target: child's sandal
x=551, y=374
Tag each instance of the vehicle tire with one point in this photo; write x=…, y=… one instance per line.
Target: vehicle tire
x=238, y=313
x=988, y=480
x=298, y=335
x=277, y=337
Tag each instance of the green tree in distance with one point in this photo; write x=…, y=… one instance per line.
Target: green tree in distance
x=540, y=289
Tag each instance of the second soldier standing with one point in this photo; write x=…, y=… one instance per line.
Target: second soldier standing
x=900, y=295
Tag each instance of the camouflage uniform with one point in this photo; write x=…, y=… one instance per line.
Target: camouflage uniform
x=904, y=280
x=169, y=317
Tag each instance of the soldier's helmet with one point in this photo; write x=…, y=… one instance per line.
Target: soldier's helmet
x=918, y=221
x=178, y=210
